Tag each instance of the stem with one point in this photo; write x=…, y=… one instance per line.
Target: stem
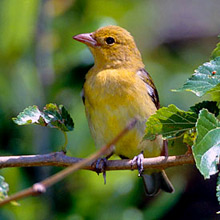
x=66, y=141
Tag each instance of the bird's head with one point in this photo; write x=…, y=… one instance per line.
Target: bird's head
x=112, y=47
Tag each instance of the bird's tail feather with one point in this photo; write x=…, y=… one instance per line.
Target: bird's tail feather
x=156, y=181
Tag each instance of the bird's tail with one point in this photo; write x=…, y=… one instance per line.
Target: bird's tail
x=156, y=181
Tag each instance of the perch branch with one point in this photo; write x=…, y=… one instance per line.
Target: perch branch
x=61, y=160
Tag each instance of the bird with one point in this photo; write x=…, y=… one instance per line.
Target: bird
x=118, y=89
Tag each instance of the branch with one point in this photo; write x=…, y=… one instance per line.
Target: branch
x=43, y=185
x=61, y=160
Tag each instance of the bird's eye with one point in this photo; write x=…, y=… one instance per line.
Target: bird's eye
x=110, y=40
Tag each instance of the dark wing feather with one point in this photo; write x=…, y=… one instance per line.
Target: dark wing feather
x=151, y=89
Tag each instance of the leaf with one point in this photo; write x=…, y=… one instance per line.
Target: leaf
x=215, y=93
x=51, y=116
x=216, y=51
x=59, y=117
x=205, y=78
x=211, y=106
x=189, y=137
x=206, y=149
x=218, y=189
x=30, y=115
x=4, y=188
x=169, y=121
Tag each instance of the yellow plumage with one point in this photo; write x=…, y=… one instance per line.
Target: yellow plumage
x=116, y=102
x=118, y=89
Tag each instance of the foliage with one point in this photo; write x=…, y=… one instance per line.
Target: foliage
x=4, y=187
x=205, y=79
x=206, y=148
x=211, y=106
x=218, y=189
x=171, y=122
x=52, y=116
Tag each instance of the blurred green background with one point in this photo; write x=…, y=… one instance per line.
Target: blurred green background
x=40, y=63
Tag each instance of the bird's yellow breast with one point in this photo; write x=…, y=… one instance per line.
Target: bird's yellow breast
x=112, y=98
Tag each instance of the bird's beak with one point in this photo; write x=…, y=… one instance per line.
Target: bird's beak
x=86, y=39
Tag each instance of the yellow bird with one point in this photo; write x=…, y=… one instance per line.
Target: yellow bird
x=118, y=89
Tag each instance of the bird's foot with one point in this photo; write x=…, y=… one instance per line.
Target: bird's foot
x=139, y=161
x=100, y=166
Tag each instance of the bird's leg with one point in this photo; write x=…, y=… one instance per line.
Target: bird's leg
x=164, y=151
x=139, y=161
x=100, y=166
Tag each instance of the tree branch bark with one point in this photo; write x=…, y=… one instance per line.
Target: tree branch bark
x=61, y=160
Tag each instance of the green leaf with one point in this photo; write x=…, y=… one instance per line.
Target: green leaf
x=206, y=149
x=205, y=78
x=218, y=189
x=51, y=116
x=216, y=51
x=59, y=117
x=211, y=106
x=68, y=121
x=4, y=188
x=30, y=115
x=169, y=121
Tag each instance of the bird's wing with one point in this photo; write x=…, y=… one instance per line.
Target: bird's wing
x=151, y=89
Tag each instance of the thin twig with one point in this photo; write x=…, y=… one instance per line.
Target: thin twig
x=43, y=185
